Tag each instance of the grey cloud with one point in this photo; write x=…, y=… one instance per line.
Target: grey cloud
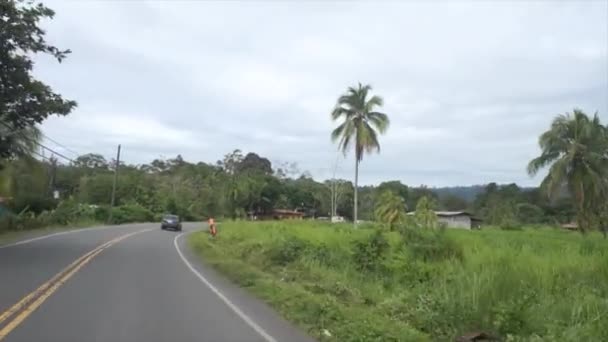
x=469, y=85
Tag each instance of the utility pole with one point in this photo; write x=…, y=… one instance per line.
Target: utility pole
x=114, y=183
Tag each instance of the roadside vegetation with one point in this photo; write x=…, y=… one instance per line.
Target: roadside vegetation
x=413, y=284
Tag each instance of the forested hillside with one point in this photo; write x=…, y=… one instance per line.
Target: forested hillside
x=237, y=185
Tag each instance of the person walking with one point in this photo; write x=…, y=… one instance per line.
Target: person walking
x=212, y=227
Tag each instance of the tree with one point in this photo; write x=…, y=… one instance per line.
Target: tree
x=360, y=126
x=21, y=142
x=396, y=187
x=576, y=149
x=254, y=163
x=425, y=215
x=91, y=161
x=390, y=209
x=453, y=203
x=25, y=101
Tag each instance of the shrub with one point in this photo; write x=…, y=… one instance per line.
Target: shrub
x=431, y=245
x=287, y=250
x=67, y=211
x=370, y=252
x=131, y=213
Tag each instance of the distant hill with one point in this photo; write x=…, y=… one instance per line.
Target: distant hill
x=467, y=193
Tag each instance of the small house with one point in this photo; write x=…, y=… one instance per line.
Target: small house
x=456, y=219
x=286, y=214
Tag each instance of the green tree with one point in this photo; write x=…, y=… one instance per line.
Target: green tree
x=575, y=147
x=91, y=161
x=396, y=187
x=453, y=203
x=25, y=101
x=21, y=142
x=390, y=209
x=425, y=216
x=360, y=126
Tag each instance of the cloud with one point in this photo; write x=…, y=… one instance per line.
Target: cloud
x=468, y=86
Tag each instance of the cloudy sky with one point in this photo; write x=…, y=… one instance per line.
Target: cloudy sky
x=468, y=86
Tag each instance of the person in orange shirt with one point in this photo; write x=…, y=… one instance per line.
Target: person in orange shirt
x=212, y=228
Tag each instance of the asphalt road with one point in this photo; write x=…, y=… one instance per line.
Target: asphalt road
x=143, y=286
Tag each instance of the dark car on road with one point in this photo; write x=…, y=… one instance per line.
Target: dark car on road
x=171, y=222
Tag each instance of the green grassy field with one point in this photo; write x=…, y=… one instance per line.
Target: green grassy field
x=528, y=285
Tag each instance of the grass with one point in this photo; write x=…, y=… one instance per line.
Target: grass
x=525, y=285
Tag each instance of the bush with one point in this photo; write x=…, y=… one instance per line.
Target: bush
x=131, y=213
x=431, y=245
x=287, y=250
x=369, y=253
x=67, y=211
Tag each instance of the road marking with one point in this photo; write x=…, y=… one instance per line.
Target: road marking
x=48, y=288
x=231, y=305
x=59, y=233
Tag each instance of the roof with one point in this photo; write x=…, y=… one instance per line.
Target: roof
x=447, y=213
x=451, y=214
x=287, y=211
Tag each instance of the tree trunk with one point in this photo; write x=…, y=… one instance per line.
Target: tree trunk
x=356, y=191
x=581, y=215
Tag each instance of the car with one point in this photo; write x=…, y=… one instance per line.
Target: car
x=171, y=222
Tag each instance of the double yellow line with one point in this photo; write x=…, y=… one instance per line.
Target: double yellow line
x=28, y=304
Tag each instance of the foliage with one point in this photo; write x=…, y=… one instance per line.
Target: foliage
x=425, y=216
x=369, y=253
x=25, y=100
x=576, y=150
x=360, y=126
x=390, y=209
x=536, y=284
x=131, y=213
x=430, y=245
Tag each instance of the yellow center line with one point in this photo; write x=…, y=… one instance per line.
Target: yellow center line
x=48, y=288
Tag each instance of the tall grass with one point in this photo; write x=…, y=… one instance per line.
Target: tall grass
x=360, y=285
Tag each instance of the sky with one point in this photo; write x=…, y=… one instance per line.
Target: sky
x=468, y=85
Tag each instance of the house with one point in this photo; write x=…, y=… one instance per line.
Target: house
x=457, y=219
x=279, y=214
x=570, y=226
x=286, y=214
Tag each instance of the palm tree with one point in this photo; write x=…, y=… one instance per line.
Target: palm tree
x=360, y=127
x=390, y=209
x=576, y=147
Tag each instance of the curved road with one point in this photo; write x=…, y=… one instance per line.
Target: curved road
x=125, y=283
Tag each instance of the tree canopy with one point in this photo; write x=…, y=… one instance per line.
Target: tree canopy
x=25, y=101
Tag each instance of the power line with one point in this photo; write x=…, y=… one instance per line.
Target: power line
x=41, y=145
x=60, y=145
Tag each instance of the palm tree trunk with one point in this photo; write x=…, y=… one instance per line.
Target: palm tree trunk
x=356, y=190
x=581, y=215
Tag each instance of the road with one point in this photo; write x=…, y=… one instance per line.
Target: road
x=126, y=283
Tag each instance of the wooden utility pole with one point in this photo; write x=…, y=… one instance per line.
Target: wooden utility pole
x=114, y=183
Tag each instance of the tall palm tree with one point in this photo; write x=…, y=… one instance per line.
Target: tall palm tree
x=360, y=126
x=576, y=148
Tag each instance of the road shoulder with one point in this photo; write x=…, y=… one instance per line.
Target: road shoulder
x=258, y=311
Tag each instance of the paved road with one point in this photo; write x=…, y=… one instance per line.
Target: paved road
x=143, y=286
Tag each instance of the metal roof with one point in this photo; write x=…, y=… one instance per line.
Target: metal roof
x=446, y=213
